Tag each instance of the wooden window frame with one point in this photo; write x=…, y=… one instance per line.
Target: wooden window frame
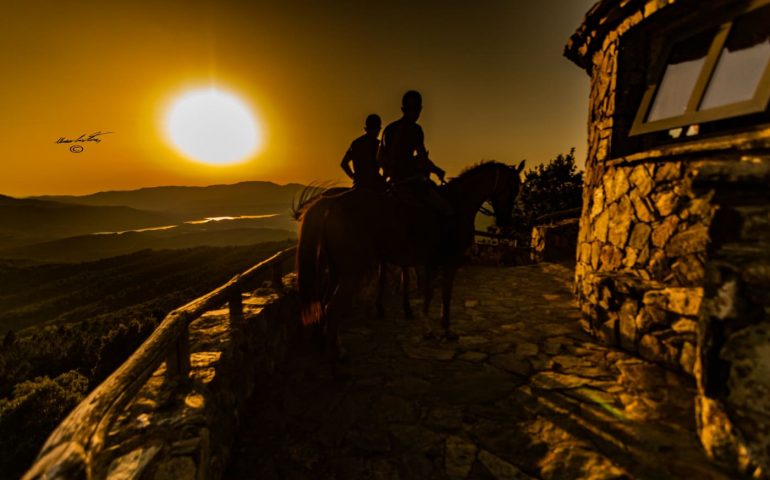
x=691, y=115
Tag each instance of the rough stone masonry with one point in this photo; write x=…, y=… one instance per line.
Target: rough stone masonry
x=655, y=275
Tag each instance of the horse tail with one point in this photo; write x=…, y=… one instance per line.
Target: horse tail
x=310, y=194
x=309, y=267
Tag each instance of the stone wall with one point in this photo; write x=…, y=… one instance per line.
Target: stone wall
x=733, y=368
x=555, y=242
x=643, y=231
x=672, y=258
x=185, y=432
x=640, y=259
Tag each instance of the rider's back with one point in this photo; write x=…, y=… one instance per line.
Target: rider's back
x=400, y=140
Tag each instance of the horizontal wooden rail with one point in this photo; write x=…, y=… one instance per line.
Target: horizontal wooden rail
x=560, y=215
x=70, y=449
x=480, y=233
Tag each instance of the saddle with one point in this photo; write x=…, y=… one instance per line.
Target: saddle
x=421, y=192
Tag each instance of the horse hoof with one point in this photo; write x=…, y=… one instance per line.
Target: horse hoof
x=451, y=336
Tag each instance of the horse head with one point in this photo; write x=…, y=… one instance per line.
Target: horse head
x=504, y=192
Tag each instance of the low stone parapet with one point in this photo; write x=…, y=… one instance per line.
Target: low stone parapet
x=172, y=431
x=642, y=316
x=733, y=367
x=555, y=242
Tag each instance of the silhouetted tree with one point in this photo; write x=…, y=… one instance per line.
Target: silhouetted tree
x=548, y=188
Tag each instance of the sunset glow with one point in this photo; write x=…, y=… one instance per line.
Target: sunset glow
x=305, y=75
x=213, y=127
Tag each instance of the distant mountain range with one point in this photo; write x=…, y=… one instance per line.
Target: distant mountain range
x=242, y=198
x=23, y=221
x=85, y=248
x=60, y=227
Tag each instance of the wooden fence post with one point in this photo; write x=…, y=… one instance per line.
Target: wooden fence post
x=278, y=275
x=178, y=360
x=235, y=304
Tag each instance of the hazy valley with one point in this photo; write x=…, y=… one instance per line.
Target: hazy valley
x=85, y=279
x=64, y=228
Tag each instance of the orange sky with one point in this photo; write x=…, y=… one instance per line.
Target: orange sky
x=494, y=84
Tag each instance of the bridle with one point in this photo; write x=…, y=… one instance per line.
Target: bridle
x=483, y=209
x=497, y=179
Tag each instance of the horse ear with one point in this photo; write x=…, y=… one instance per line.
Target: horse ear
x=520, y=167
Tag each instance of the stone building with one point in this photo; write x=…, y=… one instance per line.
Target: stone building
x=673, y=255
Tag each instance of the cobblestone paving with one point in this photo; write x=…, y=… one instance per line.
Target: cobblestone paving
x=523, y=394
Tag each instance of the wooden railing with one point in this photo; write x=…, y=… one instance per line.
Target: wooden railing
x=70, y=449
x=497, y=236
x=560, y=215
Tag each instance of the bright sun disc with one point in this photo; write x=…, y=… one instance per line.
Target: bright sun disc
x=213, y=127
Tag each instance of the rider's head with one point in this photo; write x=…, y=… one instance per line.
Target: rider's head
x=411, y=104
x=373, y=124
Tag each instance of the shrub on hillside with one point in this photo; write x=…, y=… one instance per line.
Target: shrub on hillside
x=117, y=345
x=33, y=411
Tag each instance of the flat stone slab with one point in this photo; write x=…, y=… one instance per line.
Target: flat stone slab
x=523, y=393
x=427, y=352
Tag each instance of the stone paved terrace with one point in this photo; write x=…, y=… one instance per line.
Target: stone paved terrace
x=524, y=393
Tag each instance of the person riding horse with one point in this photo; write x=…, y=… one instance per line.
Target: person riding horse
x=404, y=158
x=340, y=240
x=363, y=155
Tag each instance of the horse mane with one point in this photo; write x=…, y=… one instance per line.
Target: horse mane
x=482, y=165
x=307, y=196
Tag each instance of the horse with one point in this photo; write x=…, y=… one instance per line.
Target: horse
x=311, y=193
x=342, y=236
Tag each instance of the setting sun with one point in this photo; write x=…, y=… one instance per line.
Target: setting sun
x=213, y=127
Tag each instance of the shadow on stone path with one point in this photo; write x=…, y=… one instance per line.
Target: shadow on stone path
x=524, y=393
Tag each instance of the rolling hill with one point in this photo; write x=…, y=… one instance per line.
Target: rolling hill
x=242, y=198
x=59, y=227
x=24, y=221
x=94, y=247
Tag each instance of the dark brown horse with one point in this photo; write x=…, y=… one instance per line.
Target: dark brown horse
x=342, y=237
x=310, y=194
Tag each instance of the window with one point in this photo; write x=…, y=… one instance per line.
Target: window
x=718, y=73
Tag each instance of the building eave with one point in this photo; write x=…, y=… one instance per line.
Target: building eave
x=604, y=17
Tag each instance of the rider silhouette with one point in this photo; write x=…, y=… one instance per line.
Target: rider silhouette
x=402, y=153
x=363, y=154
x=404, y=158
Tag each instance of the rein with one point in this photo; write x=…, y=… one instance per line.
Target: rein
x=483, y=209
x=497, y=179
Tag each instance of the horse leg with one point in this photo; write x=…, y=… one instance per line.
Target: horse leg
x=381, y=291
x=447, y=281
x=405, y=297
x=337, y=308
x=427, y=297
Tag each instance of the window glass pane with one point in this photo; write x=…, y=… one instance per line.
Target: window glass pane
x=742, y=61
x=682, y=69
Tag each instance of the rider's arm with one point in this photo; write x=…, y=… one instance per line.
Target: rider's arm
x=382, y=154
x=422, y=152
x=422, y=155
x=436, y=169
x=345, y=164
